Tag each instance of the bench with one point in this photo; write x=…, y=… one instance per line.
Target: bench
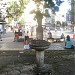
x=58, y=40
x=55, y=39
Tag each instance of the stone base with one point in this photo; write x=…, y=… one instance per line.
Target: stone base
x=44, y=70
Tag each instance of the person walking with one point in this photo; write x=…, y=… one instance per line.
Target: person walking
x=68, y=43
x=0, y=35
x=26, y=41
x=50, y=34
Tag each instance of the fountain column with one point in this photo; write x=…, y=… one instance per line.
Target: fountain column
x=40, y=58
x=40, y=46
x=39, y=35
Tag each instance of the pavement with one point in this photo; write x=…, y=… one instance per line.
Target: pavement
x=8, y=43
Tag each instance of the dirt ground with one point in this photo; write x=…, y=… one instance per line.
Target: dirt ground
x=22, y=63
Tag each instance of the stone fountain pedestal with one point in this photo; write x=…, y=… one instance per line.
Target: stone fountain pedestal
x=41, y=68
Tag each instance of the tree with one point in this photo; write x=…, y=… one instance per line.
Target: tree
x=39, y=14
x=16, y=9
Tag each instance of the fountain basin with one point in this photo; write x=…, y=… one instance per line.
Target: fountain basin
x=39, y=45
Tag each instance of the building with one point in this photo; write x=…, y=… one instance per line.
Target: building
x=2, y=23
x=72, y=11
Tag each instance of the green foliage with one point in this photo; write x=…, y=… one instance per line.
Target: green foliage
x=49, y=3
x=10, y=20
x=37, y=1
x=16, y=9
x=47, y=13
x=22, y=21
x=39, y=14
x=72, y=12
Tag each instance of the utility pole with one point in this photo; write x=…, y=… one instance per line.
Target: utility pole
x=73, y=14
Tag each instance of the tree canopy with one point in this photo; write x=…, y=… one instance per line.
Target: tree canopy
x=16, y=8
x=51, y=4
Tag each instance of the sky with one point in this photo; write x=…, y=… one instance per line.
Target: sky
x=64, y=7
x=62, y=11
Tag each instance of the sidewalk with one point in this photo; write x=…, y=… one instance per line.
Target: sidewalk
x=56, y=46
x=8, y=44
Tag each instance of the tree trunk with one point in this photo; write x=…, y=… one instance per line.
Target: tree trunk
x=39, y=29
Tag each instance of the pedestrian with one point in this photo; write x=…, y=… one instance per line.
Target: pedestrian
x=0, y=35
x=68, y=43
x=16, y=36
x=62, y=36
x=26, y=42
x=50, y=34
